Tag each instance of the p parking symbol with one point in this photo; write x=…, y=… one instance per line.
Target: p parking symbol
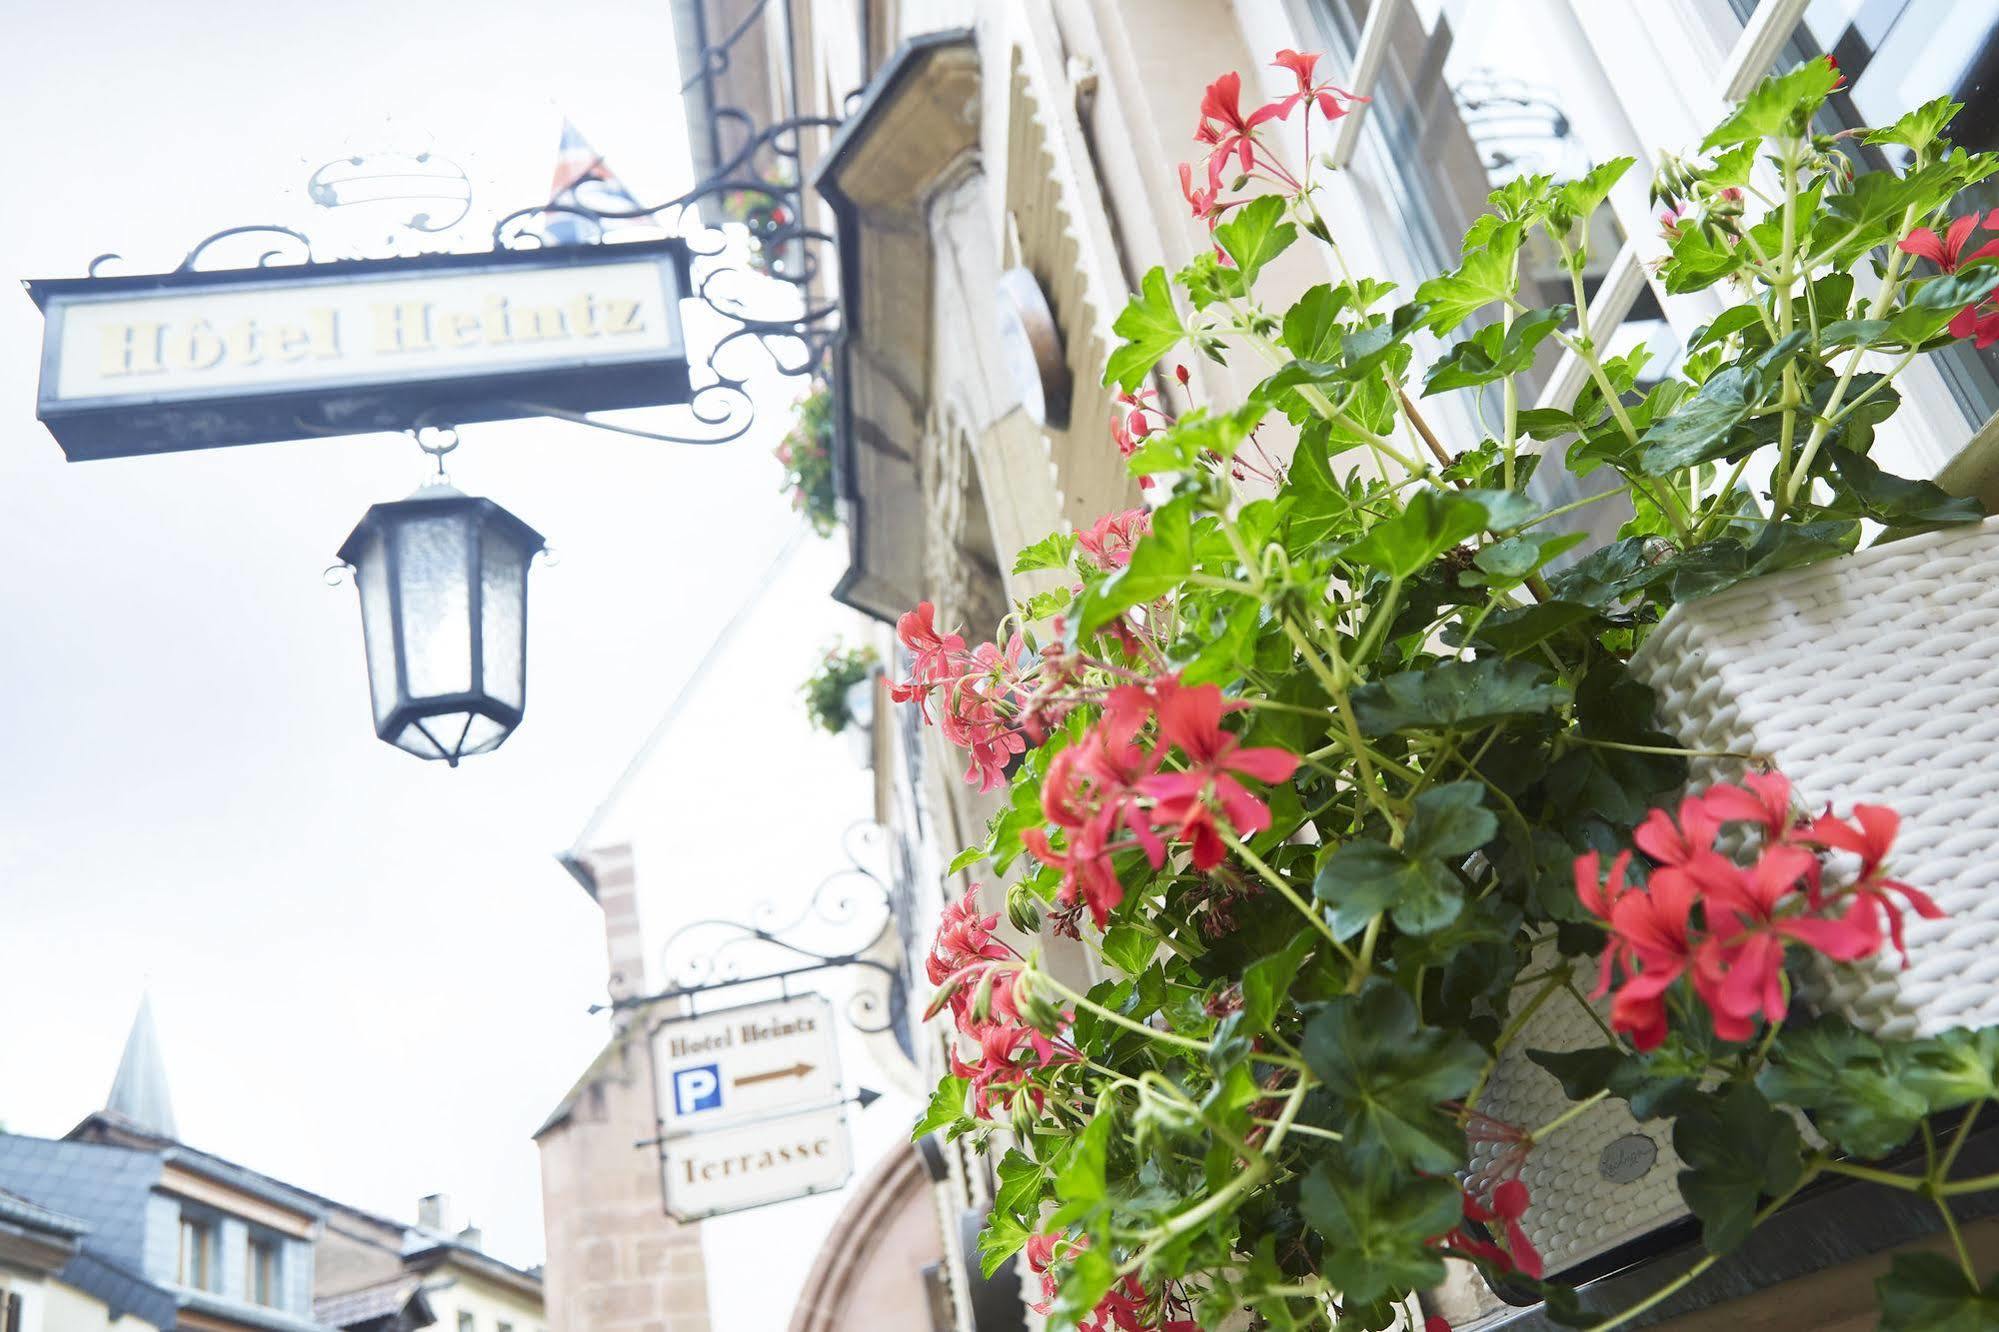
x=697, y=1088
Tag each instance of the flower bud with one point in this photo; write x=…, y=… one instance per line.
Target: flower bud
x=1023, y=909
x=1022, y=1116
x=1180, y=373
x=981, y=1006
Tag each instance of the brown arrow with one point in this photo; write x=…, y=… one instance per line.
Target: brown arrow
x=770, y=1075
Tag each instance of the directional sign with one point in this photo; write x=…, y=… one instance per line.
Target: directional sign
x=751, y=1164
x=746, y=1063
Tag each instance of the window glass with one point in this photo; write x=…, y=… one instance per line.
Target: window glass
x=1896, y=55
x=197, y=1253
x=464, y=1322
x=1452, y=119
x=263, y=1270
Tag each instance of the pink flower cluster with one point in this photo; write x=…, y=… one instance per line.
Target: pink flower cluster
x=1113, y=790
x=975, y=975
x=1126, y=1307
x=1230, y=133
x=1109, y=540
x=1980, y=321
x=976, y=687
x=1726, y=927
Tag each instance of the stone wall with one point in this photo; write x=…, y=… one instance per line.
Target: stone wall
x=616, y=1261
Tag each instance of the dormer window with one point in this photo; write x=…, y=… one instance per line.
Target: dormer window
x=199, y=1269
x=264, y=1272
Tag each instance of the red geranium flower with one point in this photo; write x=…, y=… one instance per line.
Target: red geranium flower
x=1192, y=720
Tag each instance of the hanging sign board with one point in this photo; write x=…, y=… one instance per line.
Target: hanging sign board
x=750, y=1106
x=193, y=360
x=756, y=1163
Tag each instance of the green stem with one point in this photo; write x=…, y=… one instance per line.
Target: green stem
x=1290, y=894
x=1976, y=1185
x=1891, y=279
x=1117, y=1019
x=1907, y=1183
x=1686, y=1278
x=1567, y=1115
x=1957, y=1140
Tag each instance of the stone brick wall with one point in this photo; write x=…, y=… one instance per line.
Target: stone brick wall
x=616, y=1261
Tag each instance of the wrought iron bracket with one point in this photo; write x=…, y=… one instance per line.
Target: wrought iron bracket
x=851, y=905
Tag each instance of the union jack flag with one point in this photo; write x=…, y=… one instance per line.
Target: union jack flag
x=584, y=181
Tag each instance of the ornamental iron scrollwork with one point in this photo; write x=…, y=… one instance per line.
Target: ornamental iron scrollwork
x=757, y=183
x=842, y=923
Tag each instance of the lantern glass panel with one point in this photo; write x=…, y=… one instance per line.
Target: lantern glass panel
x=503, y=577
x=378, y=630
x=483, y=734
x=433, y=561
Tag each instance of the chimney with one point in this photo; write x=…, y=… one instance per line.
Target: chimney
x=434, y=1212
x=472, y=1237
x=607, y=875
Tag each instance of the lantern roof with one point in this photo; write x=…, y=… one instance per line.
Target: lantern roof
x=438, y=494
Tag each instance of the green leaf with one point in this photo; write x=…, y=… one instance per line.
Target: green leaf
x=1704, y=426
x=1080, y=1177
x=1738, y=1148
x=1001, y=1239
x=1457, y=696
x=1899, y=502
x=1434, y=522
x=1487, y=276
x=1312, y=324
x=1267, y=980
x=1199, y=433
x=1051, y=552
x=1415, y=884
x=1954, y=1067
x=1092, y=1272
x=1781, y=104
x=1150, y=327
x=1576, y=200
x=1129, y=948
x=1495, y=351
x=1927, y=1292
x=1020, y=1185
x=1385, y=1073
x=1920, y=128
x=1375, y=1221
x=1935, y=303
x=1848, y=1082
x=1364, y=877
x=1650, y=1091
x=1160, y=562
x=1255, y=235
x=1518, y=628
x=947, y=1107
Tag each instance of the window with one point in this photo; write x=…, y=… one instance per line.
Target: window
x=197, y=1253
x=464, y=1322
x=1896, y=55
x=10, y=1312
x=505, y=1327
x=263, y=1271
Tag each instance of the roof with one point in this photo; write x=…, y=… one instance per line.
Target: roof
x=121, y=1292
x=139, y=1092
x=22, y=1212
x=104, y=1186
x=105, y=1126
x=371, y=1303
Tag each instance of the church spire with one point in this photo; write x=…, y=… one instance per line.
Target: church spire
x=139, y=1092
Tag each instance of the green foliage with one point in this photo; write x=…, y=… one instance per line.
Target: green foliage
x=1266, y=1108
x=806, y=453
x=826, y=688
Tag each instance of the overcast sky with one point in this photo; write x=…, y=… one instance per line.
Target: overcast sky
x=369, y=973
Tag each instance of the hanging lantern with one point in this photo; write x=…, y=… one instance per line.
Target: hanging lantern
x=443, y=583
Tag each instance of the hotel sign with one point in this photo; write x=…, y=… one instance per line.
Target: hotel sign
x=192, y=360
x=750, y=1107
